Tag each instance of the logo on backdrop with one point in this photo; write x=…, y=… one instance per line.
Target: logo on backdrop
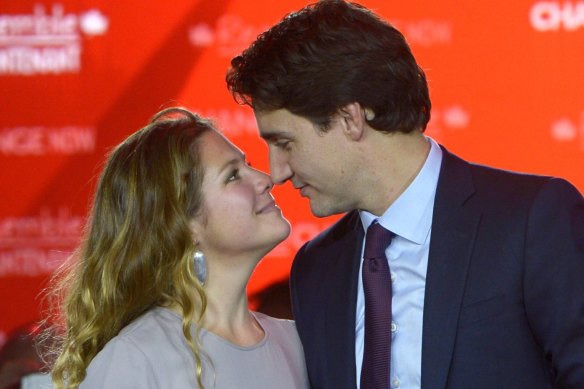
x=425, y=32
x=565, y=129
x=40, y=140
x=449, y=118
x=46, y=41
x=232, y=34
x=35, y=245
x=557, y=15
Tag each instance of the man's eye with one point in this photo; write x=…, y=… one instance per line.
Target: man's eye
x=233, y=176
x=282, y=144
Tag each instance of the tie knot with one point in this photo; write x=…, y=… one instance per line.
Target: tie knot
x=377, y=240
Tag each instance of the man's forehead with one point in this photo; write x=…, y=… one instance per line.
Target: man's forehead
x=272, y=125
x=281, y=123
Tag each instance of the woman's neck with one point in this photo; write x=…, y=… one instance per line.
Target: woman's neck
x=227, y=314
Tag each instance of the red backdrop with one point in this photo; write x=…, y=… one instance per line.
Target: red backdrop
x=77, y=76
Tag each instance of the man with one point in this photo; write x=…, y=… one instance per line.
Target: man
x=487, y=266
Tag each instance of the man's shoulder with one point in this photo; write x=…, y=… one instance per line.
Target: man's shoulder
x=497, y=180
x=454, y=162
x=498, y=187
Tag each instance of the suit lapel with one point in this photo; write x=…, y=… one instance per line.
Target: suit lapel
x=453, y=234
x=340, y=313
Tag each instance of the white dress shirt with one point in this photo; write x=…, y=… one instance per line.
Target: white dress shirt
x=410, y=218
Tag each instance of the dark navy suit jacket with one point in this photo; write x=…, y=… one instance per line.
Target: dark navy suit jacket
x=504, y=299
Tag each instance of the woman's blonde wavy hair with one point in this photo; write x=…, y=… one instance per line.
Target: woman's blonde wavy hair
x=137, y=251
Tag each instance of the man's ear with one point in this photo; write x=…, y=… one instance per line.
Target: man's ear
x=354, y=118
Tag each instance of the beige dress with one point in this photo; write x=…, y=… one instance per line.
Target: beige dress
x=151, y=352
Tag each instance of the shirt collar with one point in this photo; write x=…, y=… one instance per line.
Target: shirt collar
x=410, y=215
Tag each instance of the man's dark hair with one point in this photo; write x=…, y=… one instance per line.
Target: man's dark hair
x=330, y=54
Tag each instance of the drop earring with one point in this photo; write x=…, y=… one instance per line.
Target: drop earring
x=369, y=114
x=200, y=265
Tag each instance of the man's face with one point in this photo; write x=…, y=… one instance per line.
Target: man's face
x=317, y=163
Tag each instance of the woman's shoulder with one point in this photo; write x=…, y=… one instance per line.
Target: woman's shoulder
x=150, y=331
x=279, y=330
x=153, y=324
x=136, y=352
x=282, y=337
x=270, y=321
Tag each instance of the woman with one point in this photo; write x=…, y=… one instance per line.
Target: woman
x=156, y=298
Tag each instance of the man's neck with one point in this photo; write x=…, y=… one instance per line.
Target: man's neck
x=392, y=162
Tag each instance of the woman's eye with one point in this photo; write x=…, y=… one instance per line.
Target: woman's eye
x=233, y=176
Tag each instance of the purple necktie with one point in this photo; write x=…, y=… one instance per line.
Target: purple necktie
x=377, y=288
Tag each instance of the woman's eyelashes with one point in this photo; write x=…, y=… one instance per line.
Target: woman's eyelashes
x=233, y=175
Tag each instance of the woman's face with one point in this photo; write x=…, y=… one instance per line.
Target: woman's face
x=239, y=214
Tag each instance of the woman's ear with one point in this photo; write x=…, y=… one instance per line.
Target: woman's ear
x=355, y=118
x=196, y=230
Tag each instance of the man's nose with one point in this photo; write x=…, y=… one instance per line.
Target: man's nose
x=280, y=169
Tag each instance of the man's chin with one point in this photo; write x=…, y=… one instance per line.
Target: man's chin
x=322, y=210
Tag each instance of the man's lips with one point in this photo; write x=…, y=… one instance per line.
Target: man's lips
x=302, y=189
